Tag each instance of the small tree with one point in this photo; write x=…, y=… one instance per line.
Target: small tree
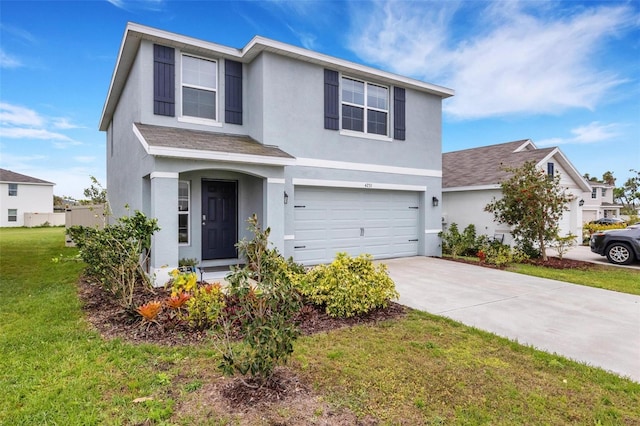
x=629, y=193
x=532, y=204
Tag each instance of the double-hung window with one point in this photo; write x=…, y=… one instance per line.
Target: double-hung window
x=12, y=215
x=199, y=88
x=13, y=190
x=365, y=107
x=183, y=212
x=594, y=193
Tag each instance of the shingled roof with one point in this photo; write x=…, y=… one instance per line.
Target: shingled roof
x=171, y=141
x=13, y=177
x=483, y=166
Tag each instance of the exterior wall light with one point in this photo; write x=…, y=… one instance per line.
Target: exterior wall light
x=581, y=202
x=435, y=201
x=286, y=197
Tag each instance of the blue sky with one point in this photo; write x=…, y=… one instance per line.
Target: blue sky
x=561, y=73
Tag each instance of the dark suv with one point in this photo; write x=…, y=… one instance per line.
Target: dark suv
x=621, y=246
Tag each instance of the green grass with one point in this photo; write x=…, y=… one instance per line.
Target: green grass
x=624, y=280
x=419, y=370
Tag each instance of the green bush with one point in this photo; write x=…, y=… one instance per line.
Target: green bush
x=499, y=254
x=349, y=286
x=204, y=306
x=115, y=254
x=466, y=243
x=262, y=304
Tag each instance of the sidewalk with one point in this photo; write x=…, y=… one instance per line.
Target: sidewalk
x=585, y=254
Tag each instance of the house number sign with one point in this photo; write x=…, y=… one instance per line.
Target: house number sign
x=368, y=185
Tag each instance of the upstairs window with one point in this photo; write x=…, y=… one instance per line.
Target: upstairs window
x=183, y=212
x=365, y=107
x=13, y=190
x=550, y=170
x=604, y=192
x=594, y=193
x=199, y=88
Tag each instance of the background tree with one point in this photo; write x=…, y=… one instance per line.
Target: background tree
x=532, y=204
x=95, y=194
x=607, y=177
x=629, y=194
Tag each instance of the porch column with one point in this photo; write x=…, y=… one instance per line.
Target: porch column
x=273, y=202
x=164, y=243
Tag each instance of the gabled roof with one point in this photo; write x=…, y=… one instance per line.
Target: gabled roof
x=482, y=167
x=12, y=177
x=185, y=143
x=134, y=33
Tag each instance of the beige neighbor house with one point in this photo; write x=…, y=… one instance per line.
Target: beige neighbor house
x=471, y=179
x=598, y=202
x=26, y=201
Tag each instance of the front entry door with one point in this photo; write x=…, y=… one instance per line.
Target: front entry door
x=219, y=219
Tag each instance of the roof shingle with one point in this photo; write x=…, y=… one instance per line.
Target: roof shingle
x=13, y=177
x=484, y=165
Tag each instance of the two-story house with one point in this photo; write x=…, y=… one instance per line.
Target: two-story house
x=331, y=155
x=598, y=202
x=21, y=194
x=471, y=179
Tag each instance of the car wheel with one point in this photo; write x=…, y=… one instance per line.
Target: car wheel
x=620, y=254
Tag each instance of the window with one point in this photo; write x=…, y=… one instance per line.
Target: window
x=365, y=107
x=13, y=215
x=13, y=190
x=604, y=192
x=199, y=88
x=594, y=193
x=550, y=170
x=183, y=212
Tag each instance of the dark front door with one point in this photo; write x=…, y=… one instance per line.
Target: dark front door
x=219, y=219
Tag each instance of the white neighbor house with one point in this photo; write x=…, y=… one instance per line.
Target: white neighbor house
x=598, y=202
x=20, y=194
x=471, y=179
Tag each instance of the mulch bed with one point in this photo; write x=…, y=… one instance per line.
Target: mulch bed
x=552, y=262
x=112, y=321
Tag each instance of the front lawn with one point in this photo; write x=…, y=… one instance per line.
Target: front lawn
x=422, y=369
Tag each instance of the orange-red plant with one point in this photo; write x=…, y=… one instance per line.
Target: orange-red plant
x=150, y=311
x=177, y=301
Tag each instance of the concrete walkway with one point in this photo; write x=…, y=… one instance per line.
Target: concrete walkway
x=590, y=325
x=585, y=254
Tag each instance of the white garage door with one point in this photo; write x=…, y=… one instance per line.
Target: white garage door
x=331, y=220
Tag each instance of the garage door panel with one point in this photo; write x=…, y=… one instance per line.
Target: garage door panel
x=332, y=220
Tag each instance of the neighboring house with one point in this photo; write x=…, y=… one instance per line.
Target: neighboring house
x=20, y=194
x=331, y=155
x=471, y=179
x=598, y=202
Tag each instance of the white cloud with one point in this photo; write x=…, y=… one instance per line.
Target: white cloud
x=84, y=159
x=7, y=61
x=506, y=60
x=17, y=122
x=19, y=116
x=591, y=133
x=146, y=5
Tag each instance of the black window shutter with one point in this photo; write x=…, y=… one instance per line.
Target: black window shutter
x=233, y=92
x=399, y=113
x=164, y=98
x=331, y=100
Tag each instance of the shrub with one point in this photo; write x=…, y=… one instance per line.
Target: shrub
x=563, y=244
x=182, y=282
x=204, y=306
x=461, y=244
x=499, y=254
x=261, y=306
x=349, y=286
x=115, y=254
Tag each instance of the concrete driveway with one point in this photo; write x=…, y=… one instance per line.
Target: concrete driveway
x=590, y=325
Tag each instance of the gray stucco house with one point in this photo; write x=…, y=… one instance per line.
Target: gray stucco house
x=331, y=155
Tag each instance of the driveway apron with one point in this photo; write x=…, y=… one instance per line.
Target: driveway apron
x=594, y=326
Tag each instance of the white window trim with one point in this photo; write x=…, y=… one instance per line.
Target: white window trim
x=9, y=190
x=365, y=107
x=9, y=215
x=199, y=120
x=187, y=213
